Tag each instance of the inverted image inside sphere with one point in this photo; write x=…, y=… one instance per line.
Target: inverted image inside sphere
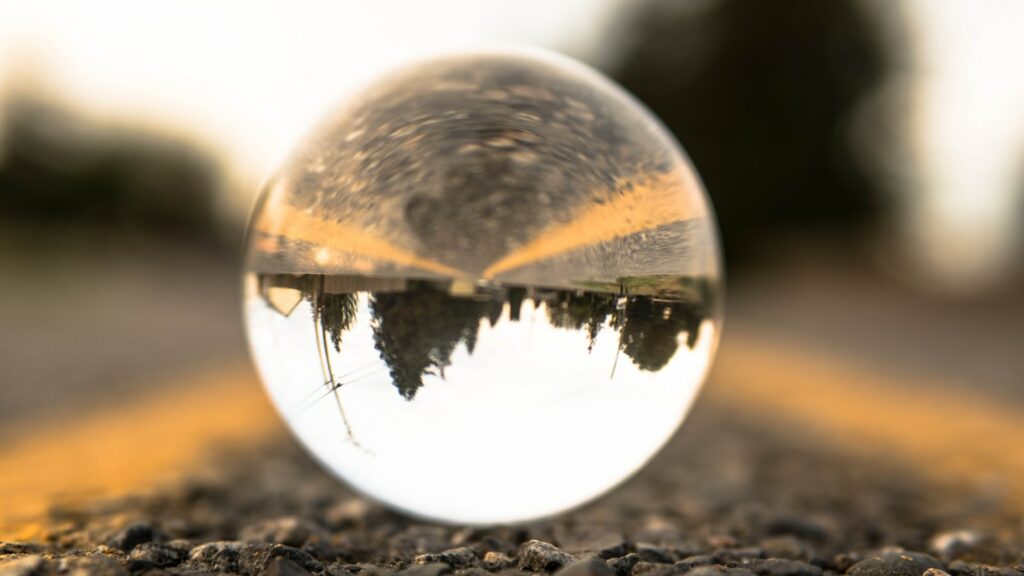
x=486, y=289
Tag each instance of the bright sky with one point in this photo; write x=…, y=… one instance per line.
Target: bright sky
x=967, y=199
x=247, y=79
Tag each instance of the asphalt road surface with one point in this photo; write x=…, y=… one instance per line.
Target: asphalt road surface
x=816, y=449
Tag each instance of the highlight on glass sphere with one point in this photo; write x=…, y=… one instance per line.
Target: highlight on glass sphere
x=486, y=289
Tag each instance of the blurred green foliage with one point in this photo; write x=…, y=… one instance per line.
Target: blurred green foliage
x=760, y=93
x=59, y=170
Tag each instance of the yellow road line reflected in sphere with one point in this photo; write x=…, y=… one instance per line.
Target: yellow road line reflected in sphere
x=486, y=289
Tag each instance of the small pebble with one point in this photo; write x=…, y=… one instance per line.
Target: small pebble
x=19, y=548
x=432, y=569
x=419, y=539
x=461, y=557
x=216, y=556
x=131, y=536
x=783, y=567
x=734, y=555
x=654, y=569
x=691, y=562
x=789, y=547
x=948, y=546
x=589, y=567
x=347, y=512
x=337, y=569
x=623, y=565
x=24, y=566
x=538, y=556
x=287, y=530
x=719, y=571
x=256, y=557
x=894, y=564
x=652, y=553
x=803, y=528
x=91, y=565
x=494, y=561
x=284, y=567
x=153, y=554
x=961, y=568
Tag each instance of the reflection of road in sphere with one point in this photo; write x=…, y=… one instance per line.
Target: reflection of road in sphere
x=485, y=290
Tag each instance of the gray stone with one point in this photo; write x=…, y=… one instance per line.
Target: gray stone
x=783, y=567
x=710, y=570
x=614, y=550
x=494, y=561
x=948, y=546
x=801, y=527
x=254, y=558
x=843, y=562
x=363, y=569
x=589, y=567
x=513, y=572
x=154, y=554
x=538, y=556
x=895, y=564
x=287, y=530
x=216, y=556
x=337, y=569
x=623, y=565
x=19, y=548
x=735, y=555
x=788, y=547
x=691, y=562
x=654, y=569
x=284, y=567
x=652, y=553
x=91, y=565
x=131, y=536
x=24, y=566
x=717, y=570
x=461, y=557
x=432, y=569
x=961, y=568
x=347, y=512
x=472, y=571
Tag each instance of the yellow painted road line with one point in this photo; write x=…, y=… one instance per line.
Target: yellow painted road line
x=338, y=242
x=936, y=428
x=142, y=445
x=647, y=206
x=130, y=447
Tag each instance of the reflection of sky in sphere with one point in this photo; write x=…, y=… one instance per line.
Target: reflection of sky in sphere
x=528, y=424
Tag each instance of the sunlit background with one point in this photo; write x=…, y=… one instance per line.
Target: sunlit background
x=865, y=158
x=936, y=122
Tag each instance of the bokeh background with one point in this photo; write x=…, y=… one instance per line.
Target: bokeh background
x=865, y=158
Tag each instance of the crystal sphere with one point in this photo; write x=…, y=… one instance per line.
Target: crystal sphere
x=486, y=289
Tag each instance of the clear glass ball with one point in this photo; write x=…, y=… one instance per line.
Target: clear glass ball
x=486, y=289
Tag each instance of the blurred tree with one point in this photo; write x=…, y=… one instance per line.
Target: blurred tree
x=759, y=93
x=58, y=168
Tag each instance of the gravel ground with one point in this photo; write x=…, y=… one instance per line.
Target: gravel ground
x=731, y=495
